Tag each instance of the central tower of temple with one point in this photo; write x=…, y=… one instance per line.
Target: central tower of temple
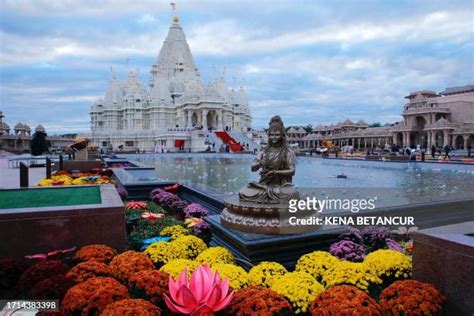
x=177, y=101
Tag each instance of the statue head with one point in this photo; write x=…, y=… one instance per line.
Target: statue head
x=276, y=132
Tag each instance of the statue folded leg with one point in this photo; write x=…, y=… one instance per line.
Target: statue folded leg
x=268, y=194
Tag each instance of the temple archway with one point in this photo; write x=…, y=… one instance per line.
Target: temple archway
x=400, y=139
x=194, y=119
x=211, y=119
x=459, y=142
x=420, y=122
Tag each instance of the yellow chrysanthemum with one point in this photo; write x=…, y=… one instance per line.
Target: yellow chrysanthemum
x=45, y=183
x=174, y=231
x=238, y=277
x=215, y=255
x=160, y=252
x=350, y=273
x=316, y=263
x=265, y=272
x=188, y=247
x=175, y=267
x=79, y=181
x=386, y=263
x=300, y=288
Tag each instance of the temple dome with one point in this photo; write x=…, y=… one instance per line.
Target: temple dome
x=134, y=88
x=114, y=94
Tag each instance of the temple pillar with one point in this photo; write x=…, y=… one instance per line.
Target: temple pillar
x=204, y=119
x=445, y=137
x=220, y=120
x=190, y=120
x=465, y=138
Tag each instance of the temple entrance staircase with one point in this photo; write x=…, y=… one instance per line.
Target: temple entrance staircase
x=229, y=140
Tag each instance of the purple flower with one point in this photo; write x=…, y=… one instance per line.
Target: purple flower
x=199, y=228
x=348, y=250
x=375, y=237
x=392, y=244
x=353, y=234
x=195, y=210
x=168, y=200
x=156, y=191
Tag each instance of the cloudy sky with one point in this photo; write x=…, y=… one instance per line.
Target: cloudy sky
x=309, y=61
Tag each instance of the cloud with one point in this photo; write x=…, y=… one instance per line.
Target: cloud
x=311, y=62
x=147, y=19
x=229, y=37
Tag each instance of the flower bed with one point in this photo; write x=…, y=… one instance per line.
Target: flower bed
x=320, y=285
x=170, y=253
x=100, y=176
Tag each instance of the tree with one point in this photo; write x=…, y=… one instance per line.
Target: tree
x=375, y=124
x=308, y=128
x=39, y=144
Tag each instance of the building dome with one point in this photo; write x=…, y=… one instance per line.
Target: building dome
x=20, y=126
x=114, y=94
x=40, y=128
x=347, y=122
x=133, y=88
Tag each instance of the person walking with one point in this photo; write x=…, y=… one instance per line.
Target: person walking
x=446, y=151
x=433, y=151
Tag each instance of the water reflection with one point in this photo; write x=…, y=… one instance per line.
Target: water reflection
x=395, y=183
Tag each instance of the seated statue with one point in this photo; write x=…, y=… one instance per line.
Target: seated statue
x=277, y=164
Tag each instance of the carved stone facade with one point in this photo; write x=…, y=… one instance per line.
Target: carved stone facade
x=177, y=104
x=429, y=118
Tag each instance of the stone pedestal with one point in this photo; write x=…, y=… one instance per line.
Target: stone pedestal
x=250, y=249
x=444, y=256
x=256, y=218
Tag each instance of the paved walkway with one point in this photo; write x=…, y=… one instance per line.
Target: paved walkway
x=10, y=178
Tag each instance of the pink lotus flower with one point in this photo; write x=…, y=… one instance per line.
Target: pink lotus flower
x=152, y=217
x=52, y=255
x=205, y=293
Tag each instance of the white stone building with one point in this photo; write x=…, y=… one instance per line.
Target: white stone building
x=176, y=112
x=429, y=118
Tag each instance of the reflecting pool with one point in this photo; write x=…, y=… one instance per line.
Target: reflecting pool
x=394, y=183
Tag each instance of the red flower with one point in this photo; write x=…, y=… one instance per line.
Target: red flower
x=100, y=253
x=131, y=307
x=411, y=297
x=149, y=285
x=40, y=272
x=93, y=296
x=258, y=300
x=53, y=288
x=344, y=300
x=89, y=269
x=173, y=188
x=128, y=263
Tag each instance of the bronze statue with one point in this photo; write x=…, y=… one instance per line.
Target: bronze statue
x=277, y=164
